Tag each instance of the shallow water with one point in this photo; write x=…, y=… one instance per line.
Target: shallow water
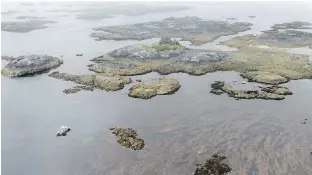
x=180, y=130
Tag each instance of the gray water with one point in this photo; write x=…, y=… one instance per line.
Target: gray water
x=180, y=130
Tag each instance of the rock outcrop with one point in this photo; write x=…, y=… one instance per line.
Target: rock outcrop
x=29, y=65
x=147, y=90
x=128, y=137
x=267, y=93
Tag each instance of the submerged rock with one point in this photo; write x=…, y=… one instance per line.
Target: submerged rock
x=264, y=77
x=24, y=27
x=30, y=64
x=101, y=81
x=128, y=137
x=76, y=89
x=213, y=166
x=192, y=29
x=147, y=90
x=267, y=93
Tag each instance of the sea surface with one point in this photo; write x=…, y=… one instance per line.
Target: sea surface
x=259, y=137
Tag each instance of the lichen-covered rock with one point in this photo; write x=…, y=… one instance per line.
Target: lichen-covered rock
x=264, y=77
x=267, y=93
x=147, y=90
x=193, y=29
x=128, y=137
x=101, y=81
x=213, y=166
x=30, y=64
x=76, y=89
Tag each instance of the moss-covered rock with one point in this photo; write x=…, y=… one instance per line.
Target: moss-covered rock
x=101, y=81
x=147, y=90
x=267, y=93
x=128, y=137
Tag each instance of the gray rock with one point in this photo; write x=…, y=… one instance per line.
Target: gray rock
x=30, y=64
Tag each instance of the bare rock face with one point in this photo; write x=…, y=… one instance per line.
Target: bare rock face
x=30, y=64
x=147, y=90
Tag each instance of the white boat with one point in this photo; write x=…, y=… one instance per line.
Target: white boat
x=64, y=130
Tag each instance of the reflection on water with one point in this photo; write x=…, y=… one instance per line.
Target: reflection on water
x=180, y=130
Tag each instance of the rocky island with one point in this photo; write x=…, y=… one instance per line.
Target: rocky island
x=256, y=64
x=25, y=26
x=267, y=93
x=192, y=29
x=105, y=82
x=280, y=36
x=147, y=90
x=128, y=137
x=29, y=65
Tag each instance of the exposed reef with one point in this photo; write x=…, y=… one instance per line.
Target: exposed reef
x=76, y=89
x=101, y=81
x=147, y=90
x=267, y=93
x=128, y=137
x=192, y=29
x=29, y=65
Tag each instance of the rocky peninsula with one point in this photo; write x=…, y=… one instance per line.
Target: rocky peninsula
x=147, y=90
x=192, y=29
x=29, y=65
x=267, y=93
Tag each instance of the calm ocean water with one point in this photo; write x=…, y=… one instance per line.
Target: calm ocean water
x=180, y=130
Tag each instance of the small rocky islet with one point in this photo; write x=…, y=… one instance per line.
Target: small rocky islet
x=25, y=26
x=267, y=93
x=29, y=64
x=107, y=82
x=128, y=138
